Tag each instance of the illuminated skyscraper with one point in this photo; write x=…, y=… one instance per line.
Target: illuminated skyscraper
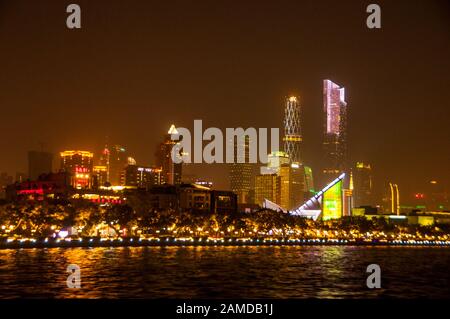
x=79, y=166
x=170, y=171
x=267, y=186
x=292, y=146
x=241, y=171
x=292, y=188
x=118, y=160
x=115, y=158
x=100, y=174
x=335, y=129
x=292, y=130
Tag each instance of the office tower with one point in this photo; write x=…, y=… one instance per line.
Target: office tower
x=292, y=187
x=292, y=129
x=100, y=174
x=292, y=146
x=241, y=171
x=267, y=186
x=142, y=177
x=363, y=184
x=118, y=159
x=79, y=166
x=39, y=163
x=277, y=159
x=171, y=171
x=115, y=158
x=335, y=130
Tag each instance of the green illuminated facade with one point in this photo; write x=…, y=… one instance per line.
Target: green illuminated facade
x=332, y=202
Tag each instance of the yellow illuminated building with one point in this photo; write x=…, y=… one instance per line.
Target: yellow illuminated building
x=267, y=186
x=79, y=166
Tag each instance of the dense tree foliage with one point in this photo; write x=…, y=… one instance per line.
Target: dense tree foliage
x=137, y=217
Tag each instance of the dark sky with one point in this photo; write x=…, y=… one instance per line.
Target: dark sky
x=137, y=66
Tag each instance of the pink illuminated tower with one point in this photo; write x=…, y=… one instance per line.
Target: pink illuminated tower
x=335, y=130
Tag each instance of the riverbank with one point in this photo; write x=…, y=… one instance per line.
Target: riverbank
x=202, y=241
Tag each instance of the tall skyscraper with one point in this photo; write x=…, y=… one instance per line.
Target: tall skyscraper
x=292, y=177
x=100, y=174
x=171, y=172
x=292, y=129
x=79, y=166
x=241, y=171
x=363, y=191
x=267, y=186
x=39, y=163
x=295, y=172
x=335, y=130
x=115, y=159
x=298, y=190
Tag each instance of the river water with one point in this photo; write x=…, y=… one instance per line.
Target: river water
x=226, y=272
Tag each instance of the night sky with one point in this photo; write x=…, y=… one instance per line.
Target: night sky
x=135, y=67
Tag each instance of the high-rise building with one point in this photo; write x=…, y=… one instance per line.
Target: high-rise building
x=171, y=171
x=79, y=166
x=298, y=190
x=142, y=177
x=363, y=191
x=335, y=130
x=39, y=163
x=115, y=158
x=292, y=129
x=118, y=159
x=292, y=177
x=241, y=171
x=292, y=146
x=267, y=186
x=100, y=174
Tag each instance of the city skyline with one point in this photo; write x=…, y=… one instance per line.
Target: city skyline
x=397, y=144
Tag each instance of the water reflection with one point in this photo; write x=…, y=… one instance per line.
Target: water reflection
x=225, y=272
